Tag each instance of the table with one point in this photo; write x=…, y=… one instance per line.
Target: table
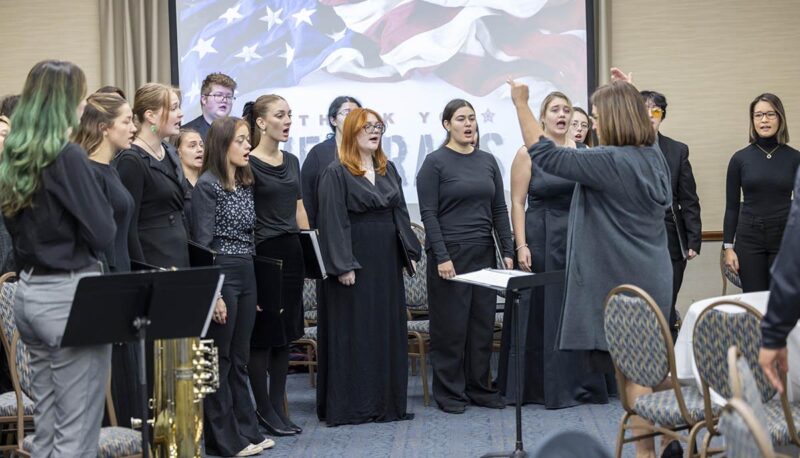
x=684, y=350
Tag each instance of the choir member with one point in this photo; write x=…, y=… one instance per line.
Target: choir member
x=626, y=213
x=759, y=194
x=363, y=224
x=59, y=219
x=462, y=201
x=223, y=219
x=216, y=101
x=280, y=216
x=580, y=128
x=549, y=376
x=324, y=153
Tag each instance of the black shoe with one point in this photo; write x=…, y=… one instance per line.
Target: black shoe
x=455, y=409
x=495, y=403
x=673, y=450
x=272, y=430
x=293, y=427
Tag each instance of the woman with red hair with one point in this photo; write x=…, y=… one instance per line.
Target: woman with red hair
x=362, y=334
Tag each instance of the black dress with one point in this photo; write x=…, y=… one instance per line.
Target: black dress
x=158, y=235
x=317, y=160
x=277, y=190
x=362, y=334
x=549, y=376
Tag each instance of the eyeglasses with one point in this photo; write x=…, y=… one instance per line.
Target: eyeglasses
x=656, y=112
x=579, y=125
x=221, y=97
x=769, y=114
x=343, y=113
x=374, y=129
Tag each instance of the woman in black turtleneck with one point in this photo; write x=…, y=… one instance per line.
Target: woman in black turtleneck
x=764, y=173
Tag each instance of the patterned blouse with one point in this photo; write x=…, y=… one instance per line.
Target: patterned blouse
x=223, y=220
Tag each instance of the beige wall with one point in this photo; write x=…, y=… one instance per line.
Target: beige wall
x=710, y=58
x=34, y=30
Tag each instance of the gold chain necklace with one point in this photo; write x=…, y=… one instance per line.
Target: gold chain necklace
x=768, y=153
x=155, y=155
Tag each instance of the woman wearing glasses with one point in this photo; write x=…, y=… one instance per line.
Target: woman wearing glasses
x=324, y=153
x=461, y=201
x=763, y=173
x=580, y=129
x=551, y=377
x=363, y=360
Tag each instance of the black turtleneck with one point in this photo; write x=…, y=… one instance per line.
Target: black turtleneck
x=765, y=183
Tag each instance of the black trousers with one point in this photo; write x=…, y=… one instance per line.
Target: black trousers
x=230, y=417
x=678, y=268
x=462, y=325
x=757, y=243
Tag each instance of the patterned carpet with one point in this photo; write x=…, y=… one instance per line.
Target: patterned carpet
x=433, y=433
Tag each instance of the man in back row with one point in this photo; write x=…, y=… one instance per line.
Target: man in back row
x=216, y=101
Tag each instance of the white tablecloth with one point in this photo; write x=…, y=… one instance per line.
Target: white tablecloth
x=684, y=351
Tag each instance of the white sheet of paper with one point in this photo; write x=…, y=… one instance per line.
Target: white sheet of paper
x=490, y=278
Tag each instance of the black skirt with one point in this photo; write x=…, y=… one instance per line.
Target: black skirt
x=281, y=325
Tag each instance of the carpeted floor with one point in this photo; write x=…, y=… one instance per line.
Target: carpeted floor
x=433, y=433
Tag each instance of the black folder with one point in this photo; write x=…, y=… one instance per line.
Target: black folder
x=269, y=281
x=312, y=257
x=405, y=257
x=200, y=256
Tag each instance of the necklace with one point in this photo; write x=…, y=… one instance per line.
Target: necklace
x=768, y=153
x=156, y=155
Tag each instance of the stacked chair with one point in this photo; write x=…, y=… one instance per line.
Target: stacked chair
x=419, y=333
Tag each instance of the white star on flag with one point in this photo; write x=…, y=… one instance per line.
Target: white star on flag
x=272, y=18
x=249, y=53
x=337, y=35
x=303, y=15
x=231, y=14
x=204, y=47
x=194, y=92
x=288, y=55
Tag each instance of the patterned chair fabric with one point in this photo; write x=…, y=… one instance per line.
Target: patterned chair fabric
x=498, y=319
x=662, y=407
x=115, y=442
x=416, y=287
x=730, y=275
x=752, y=389
x=7, y=310
x=740, y=442
x=420, y=326
x=309, y=295
x=310, y=333
x=310, y=315
x=769, y=414
x=714, y=333
x=8, y=404
x=634, y=339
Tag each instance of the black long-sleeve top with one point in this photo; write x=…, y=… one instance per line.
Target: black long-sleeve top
x=461, y=199
x=341, y=194
x=318, y=159
x=783, y=308
x=277, y=190
x=117, y=256
x=765, y=183
x=69, y=221
x=223, y=220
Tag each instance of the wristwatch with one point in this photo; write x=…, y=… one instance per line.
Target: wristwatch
x=727, y=246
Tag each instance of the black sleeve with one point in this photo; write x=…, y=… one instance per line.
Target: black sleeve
x=131, y=173
x=783, y=309
x=204, y=209
x=590, y=167
x=500, y=213
x=77, y=190
x=336, y=242
x=428, y=196
x=309, y=177
x=403, y=220
x=689, y=202
x=733, y=186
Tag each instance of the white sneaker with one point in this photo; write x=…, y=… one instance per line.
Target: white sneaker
x=251, y=450
x=266, y=443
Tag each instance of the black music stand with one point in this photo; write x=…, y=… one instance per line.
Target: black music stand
x=142, y=306
x=517, y=282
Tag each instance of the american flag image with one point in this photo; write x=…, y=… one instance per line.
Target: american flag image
x=473, y=45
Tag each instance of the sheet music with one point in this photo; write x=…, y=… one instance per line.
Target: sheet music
x=315, y=242
x=490, y=278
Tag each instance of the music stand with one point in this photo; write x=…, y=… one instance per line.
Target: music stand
x=513, y=282
x=142, y=306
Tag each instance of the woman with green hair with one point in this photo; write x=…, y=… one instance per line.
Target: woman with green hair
x=58, y=220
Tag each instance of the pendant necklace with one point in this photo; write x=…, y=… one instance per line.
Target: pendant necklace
x=768, y=153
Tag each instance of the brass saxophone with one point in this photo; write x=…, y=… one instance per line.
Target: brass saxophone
x=185, y=370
